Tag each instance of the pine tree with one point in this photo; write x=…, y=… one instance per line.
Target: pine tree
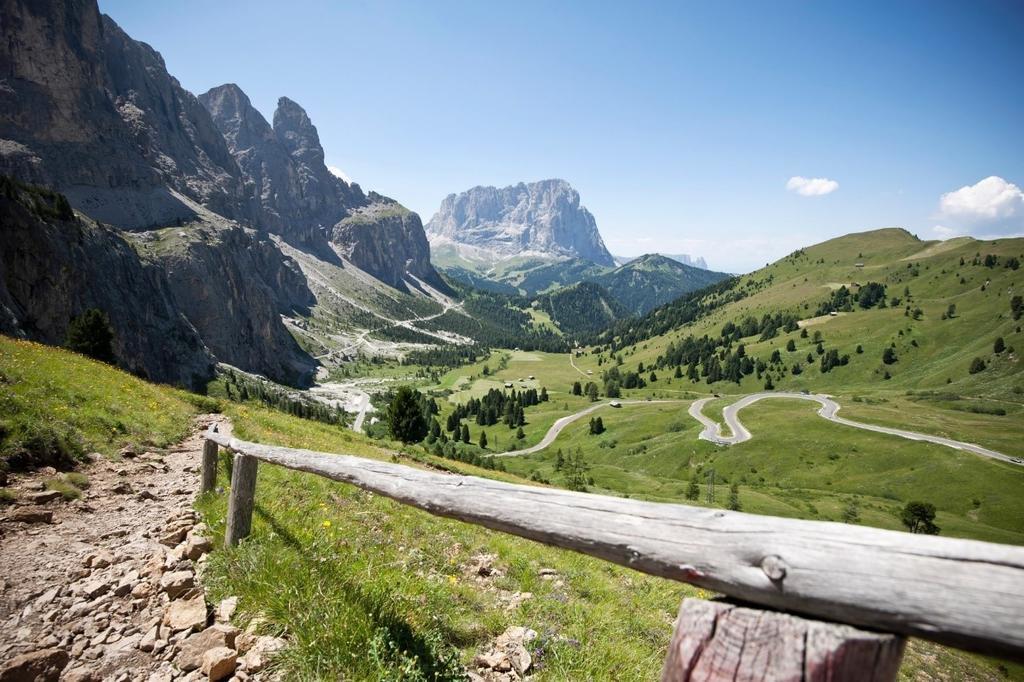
x=90, y=334
x=483, y=440
x=405, y=419
x=519, y=433
x=465, y=434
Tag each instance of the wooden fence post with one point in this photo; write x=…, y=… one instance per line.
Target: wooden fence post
x=720, y=641
x=241, y=499
x=209, y=466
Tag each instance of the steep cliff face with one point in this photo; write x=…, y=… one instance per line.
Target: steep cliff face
x=387, y=240
x=53, y=269
x=539, y=218
x=94, y=114
x=58, y=125
x=234, y=284
x=170, y=128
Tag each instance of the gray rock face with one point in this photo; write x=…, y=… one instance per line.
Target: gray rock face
x=171, y=129
x=88, y=111
x=233, y=284
x=52, y=270
x=301, y=200
x=292, y=192
x=387, y=240
x=542, y=218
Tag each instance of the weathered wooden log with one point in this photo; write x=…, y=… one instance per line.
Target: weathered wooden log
x=209, y=466
x=717, y=641
x=241, y=499
x=963, y=593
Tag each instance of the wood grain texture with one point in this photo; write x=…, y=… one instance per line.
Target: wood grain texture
x=209, y=466
x=716, y=641
x=241, y=499
x=963, y=593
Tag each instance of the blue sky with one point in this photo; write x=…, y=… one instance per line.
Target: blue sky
x=681, y=124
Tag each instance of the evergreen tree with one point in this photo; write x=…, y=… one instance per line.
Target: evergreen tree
x=543, y=394
x=465, y=434
x=577, y=389
x=576, y=468
x=405, y=419
x=592, y=391
x=519, y=433
x=999, y=346
x=693, y=489
x=483, y=440
x=90, y=334
x=977, y=365
x=791, y=345
x=734, y=497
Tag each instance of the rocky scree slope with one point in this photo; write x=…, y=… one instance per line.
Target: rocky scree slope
x=545, y=218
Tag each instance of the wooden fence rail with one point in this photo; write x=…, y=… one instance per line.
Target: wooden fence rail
x=962, y=593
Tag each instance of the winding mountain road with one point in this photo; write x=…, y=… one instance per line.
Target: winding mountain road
x=713, y=431
x=559, y=425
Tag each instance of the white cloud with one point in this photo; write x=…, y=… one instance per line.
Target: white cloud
x=946, y=232
x=990, y=199
x=811, y=187
x=340, y=174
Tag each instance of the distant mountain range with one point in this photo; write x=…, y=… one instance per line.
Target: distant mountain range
x=685, y=259
x=532, y=238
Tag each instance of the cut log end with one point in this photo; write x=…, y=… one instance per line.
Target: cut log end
x=721, y=641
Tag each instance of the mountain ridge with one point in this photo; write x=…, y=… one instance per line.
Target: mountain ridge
x=542, y=218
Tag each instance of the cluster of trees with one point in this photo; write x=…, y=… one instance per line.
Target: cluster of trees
x=672, y=315
x=43, y=201
x=448, y=355
x=596, y=426
x=240, y=388
x=616, y=379
x=496, y=405
x=767, y=328
x=842, y=299
x=582, y=310
x=1017, y=307
x=410, y=415
x=590, y=390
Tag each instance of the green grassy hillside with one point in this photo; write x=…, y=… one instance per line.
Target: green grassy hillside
x=647, y=282
x=368, y=589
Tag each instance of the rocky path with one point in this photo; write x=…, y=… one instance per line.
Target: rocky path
x=107, y=587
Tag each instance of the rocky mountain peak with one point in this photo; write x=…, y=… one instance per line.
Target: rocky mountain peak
x=298, y=134
x=542, y=218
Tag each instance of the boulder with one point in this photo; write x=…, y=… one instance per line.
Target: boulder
x=261, y=651
x=173, y=537
x=186, y=614
x=43, y=496
x=226, y=609
x=219, y=663
x=191, y=651
x=30, y=515
x=177, y=583
x=44, y=665
x=197, y=546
